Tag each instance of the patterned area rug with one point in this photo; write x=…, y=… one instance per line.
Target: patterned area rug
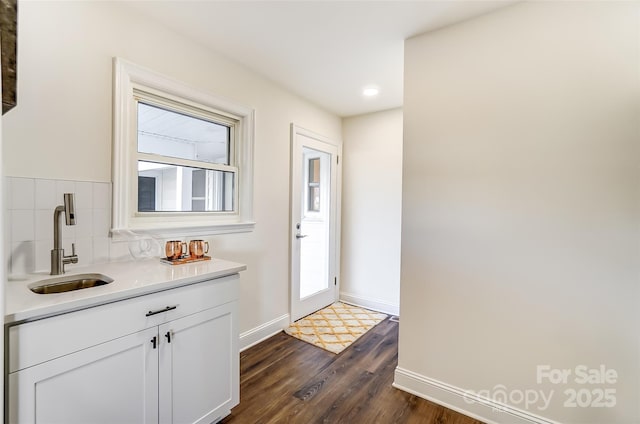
x=335, y=327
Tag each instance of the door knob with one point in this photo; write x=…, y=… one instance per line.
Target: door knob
x=298, y=235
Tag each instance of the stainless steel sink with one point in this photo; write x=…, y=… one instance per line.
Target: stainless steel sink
x=68, y=283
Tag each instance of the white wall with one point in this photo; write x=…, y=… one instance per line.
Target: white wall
x=61, y=128
x=371, y=210
x=521, y=208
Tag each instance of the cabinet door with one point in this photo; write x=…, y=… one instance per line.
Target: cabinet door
x=113, y=382
x=199, y=366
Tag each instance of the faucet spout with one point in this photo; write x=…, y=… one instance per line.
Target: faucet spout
x=58, y=259
x=57, y=227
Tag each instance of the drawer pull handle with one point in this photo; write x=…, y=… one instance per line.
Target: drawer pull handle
x=159, y=311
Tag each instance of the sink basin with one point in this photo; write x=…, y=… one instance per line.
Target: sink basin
x=66, y=283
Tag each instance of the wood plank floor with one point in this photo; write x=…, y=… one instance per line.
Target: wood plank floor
x=285, y=380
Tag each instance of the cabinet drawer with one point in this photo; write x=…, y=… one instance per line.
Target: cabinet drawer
x=35, y=342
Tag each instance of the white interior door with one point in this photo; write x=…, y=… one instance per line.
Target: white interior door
x=314, y=222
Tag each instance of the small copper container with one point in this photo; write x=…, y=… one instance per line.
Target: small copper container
x=198, y=248
x=175, y=249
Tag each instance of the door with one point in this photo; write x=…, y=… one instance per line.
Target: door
x=314, y=222
x=113, y=382
x=199, y=366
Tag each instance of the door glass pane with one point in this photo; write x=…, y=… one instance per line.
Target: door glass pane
x=168, y=133
x=313, y=184
x=171, y=188
x=314, y=248
x=314, y=199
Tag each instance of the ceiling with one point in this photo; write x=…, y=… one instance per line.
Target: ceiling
x=325, y=51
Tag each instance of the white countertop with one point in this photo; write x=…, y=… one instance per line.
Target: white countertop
x=131, y=278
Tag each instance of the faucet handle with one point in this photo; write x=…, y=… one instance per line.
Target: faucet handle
x=73, y=259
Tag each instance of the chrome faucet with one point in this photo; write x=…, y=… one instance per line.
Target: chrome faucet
x=58, y=259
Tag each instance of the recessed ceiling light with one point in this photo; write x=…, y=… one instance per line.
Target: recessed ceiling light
x=370, y=91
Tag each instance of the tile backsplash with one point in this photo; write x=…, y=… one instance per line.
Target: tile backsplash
x=29, y=206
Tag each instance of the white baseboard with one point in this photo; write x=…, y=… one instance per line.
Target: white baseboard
x=263, y=332
x=464, y=402
x=374, y=304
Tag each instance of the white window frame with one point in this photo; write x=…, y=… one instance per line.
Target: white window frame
x=130, y=81
x=162, y=101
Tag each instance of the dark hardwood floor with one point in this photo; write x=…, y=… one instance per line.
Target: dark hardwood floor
x=285, y=380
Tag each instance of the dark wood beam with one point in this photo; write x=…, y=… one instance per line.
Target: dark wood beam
x=9, y=38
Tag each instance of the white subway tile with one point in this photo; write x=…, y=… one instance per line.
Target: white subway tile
x=101, y=222
x=43, y=225
x=100, y=250
x=67, y=242
x=7, y=238
x=28, y=223
x=43, y=255
x=22, y=258
x=101, y=195
x=22, y=193
x=7, y=181
x=70, y=267
x=68, y=231
x=62, y=187
x=46, y=195
x=84, y=223
x=22, y=225
x=84, y=250
x=84, y=195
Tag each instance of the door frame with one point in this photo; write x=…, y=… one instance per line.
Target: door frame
x=294, y=185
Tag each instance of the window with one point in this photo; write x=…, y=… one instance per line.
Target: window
x=313, y=185
x=316, y=173
x=182, y=158
x=185, y=158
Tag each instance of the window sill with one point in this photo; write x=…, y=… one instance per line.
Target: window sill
x=119, y=234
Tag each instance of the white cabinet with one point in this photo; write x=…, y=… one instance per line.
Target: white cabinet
x=167, y=357
x=198, y=370
x=113, y=382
